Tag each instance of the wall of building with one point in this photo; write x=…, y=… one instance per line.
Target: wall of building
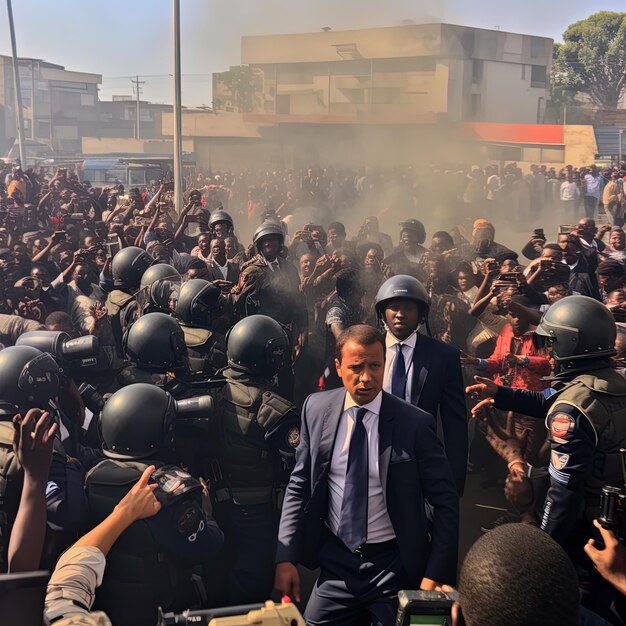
x=580, y=145
x=507, y=95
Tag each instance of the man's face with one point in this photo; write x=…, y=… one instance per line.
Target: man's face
x=587, y=228
x=519, y=325
x=556, y=293
x=81, y=275
x=618, y=240
x=409, y=239
x=335, y=238
x=222, y=229
x=508, y=265
x=41, y=274
x=439, y=245
x=402, y=317
x=270, y=247
x=218, y=250
x=361, y=370
x=229, y=246
x=204, y=242
x=465, y=281
x=306, y=265
x=372, y=259
x=562, y=240
x=551, y=255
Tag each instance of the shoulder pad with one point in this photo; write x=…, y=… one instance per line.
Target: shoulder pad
x=195, y=336
x=273, y=408
x=119, y=298
x=241, y=394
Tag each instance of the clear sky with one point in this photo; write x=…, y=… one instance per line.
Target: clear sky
x=122, y=38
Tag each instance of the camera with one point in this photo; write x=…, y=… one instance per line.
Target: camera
x=612, y=504
x=60, y=345
x=91, y=398
x=425, y=607
x=538, y=233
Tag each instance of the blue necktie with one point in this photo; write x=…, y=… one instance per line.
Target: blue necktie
x=353, y=523
x=398, y=375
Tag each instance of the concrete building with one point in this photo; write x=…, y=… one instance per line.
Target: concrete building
x=118, y=118
x=60, y=106
x=413, y=73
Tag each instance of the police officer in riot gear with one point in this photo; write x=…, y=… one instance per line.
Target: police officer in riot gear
x=198, y=302
x=30, y=379
x=151, y=565
x=252, y=447
x=155, y=346
x=585, y=414
x=221, y=224
x=158, y=290
x=127, y=268
x=270, y=286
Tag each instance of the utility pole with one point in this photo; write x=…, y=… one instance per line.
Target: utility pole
x=19, y=112
x=137, y=86
x=178, y=120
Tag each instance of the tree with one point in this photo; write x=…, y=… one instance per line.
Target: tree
x=592, y=60
x=245, y=83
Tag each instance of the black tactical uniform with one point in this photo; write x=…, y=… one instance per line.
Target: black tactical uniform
x=151, y=564
x=197, y=301
x=252, y=446
x=585, y=413
x=29, y=379
x=127, y=267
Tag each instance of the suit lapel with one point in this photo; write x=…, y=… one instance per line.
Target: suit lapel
x=385, y=436
x=330, y=423
x=421, y=363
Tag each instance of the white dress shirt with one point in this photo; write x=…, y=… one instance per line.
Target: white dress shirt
x=379, y=526
x=222, y=268
x=408, y=347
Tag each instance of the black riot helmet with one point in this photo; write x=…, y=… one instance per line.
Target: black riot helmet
x=29, y=378
x=220, y=216
x=257, y=345
x=128, y=266
x=156, y=342
x=403, y=287
x=579, y=329
x=158, y=271
x=268, y=229
x=197, y=300
x=137, y=422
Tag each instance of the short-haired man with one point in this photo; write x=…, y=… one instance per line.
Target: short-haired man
x=517, y=575
x=366, y=463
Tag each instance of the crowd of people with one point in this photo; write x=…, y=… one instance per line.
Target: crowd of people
x=177, y=383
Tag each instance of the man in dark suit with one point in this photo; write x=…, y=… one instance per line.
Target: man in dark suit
x=429, y=374
x=220, y=268
x=355, y=504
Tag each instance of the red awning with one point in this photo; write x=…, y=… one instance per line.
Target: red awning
x=544, y=134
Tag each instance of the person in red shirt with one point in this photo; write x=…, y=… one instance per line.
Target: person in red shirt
x=516, y=363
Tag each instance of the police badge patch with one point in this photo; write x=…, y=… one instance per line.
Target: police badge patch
x=562, y=427
x=293, y=437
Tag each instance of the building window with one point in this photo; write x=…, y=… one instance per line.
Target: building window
x=477, y=71
x=539, y=76
x=537, y=48
x=476, y=102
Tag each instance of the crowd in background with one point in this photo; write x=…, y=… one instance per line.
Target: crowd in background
x=307, y=248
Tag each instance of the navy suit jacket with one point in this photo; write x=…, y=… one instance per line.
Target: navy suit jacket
x=413, y=468
x=437, y=388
